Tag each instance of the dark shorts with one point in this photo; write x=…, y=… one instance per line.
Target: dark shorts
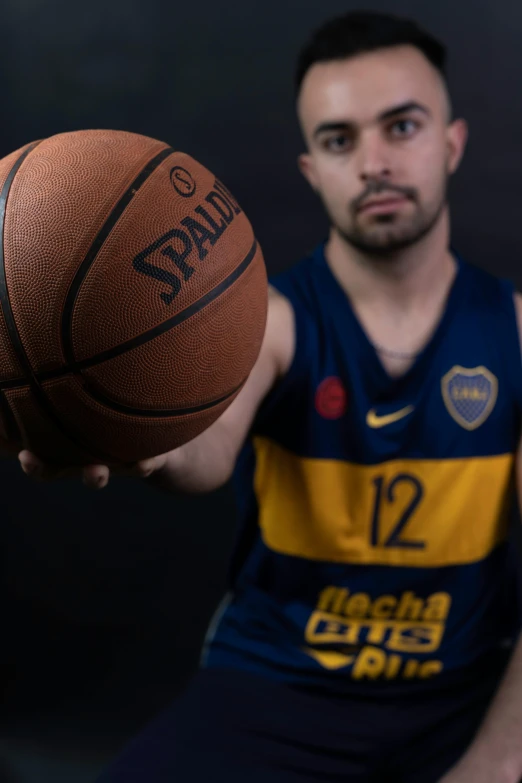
x=235, y=727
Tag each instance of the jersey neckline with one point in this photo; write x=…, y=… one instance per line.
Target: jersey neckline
x=366, y=350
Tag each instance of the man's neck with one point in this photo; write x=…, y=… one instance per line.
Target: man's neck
x=411, y=277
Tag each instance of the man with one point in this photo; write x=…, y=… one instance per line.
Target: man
x=370, y=617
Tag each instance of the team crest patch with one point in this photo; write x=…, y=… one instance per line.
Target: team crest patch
x=469, y=394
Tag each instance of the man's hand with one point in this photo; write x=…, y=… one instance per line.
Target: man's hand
x=93, y=476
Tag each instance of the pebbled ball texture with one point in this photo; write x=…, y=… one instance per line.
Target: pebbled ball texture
x=133, y=298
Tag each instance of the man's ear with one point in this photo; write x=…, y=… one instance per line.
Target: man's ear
x=457, y=136
x=306, y=166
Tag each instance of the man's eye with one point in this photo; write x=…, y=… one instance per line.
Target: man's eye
x=337, y=143
x=403, y=128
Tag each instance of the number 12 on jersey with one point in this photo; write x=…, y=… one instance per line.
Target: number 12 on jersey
x=385, y=494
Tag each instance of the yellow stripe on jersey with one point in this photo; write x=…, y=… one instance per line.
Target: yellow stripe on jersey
x=423, y=513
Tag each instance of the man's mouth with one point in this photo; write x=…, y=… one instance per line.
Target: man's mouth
x=380, y=205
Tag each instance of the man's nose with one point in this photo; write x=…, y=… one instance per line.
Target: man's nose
x=374, y=156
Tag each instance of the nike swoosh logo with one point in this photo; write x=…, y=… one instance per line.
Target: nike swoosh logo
x=374, y=421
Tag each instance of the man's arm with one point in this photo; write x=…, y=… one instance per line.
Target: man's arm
x=495, y=755
x=207, y=461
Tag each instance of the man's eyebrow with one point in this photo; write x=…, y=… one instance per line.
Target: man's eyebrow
x=333, y=126
x=402, y=108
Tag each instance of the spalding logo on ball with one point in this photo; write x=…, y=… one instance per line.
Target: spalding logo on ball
x=183, y=181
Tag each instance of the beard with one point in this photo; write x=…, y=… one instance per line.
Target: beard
x=387, y=234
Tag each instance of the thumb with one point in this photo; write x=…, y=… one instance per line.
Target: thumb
x=147, y=467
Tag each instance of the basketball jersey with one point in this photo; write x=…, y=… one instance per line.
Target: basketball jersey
x=372, y=545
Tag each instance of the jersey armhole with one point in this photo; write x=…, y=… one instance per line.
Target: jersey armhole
x=515, y=348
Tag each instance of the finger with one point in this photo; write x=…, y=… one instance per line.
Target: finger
x=30, y=463
x=96, y=476
x=144, y=468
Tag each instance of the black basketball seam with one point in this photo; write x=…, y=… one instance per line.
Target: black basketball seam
x=97, y=244
x=14, y=383
x=160, y=413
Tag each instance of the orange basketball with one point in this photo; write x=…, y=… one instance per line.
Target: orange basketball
x=133, y=297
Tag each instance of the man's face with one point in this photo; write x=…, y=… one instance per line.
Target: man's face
x=380, y=146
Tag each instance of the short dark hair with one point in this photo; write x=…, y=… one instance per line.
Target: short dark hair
x=358, y=32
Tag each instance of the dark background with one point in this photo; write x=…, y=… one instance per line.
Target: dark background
x=105, y=596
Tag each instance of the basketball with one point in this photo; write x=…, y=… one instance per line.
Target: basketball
x=133, y=298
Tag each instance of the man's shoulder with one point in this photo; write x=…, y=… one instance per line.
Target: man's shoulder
x=486, y=288
x=299, y=281
x=517, y=298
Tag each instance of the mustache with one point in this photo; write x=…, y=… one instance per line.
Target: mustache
x=375, y=188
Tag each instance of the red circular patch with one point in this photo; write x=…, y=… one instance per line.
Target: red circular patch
x=330, y=398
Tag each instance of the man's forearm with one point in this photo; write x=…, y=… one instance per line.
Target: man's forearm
x=202, y=465
x=498, y=744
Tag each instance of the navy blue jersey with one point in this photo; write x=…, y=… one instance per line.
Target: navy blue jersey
x=374, y=510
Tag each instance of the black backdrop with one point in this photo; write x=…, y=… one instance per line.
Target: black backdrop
x=106, y=595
